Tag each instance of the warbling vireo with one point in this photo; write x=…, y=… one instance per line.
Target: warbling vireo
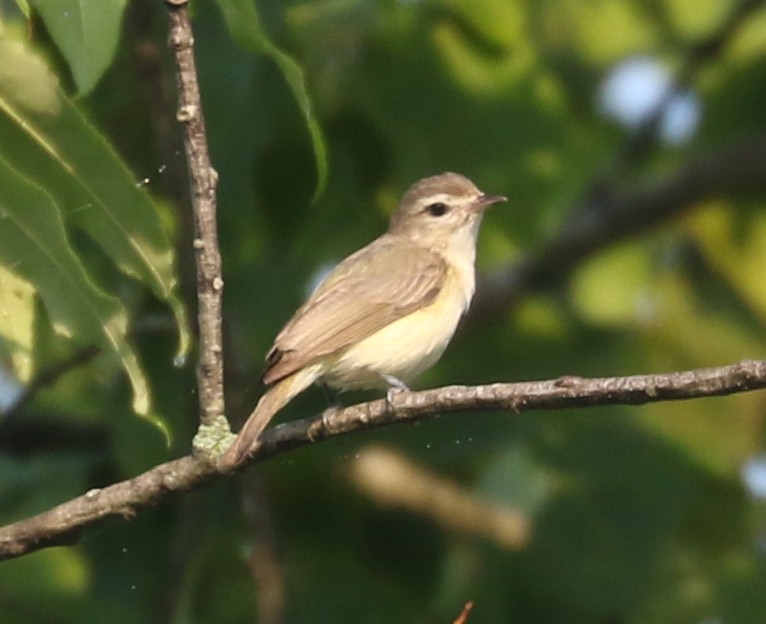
x=385, y=313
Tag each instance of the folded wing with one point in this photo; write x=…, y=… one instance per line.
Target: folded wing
x=370, y=289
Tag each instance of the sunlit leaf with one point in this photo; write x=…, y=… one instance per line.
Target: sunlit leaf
x=23, y=6
x=33, y=242
x=614, y=288
x=600, y=31
x=45, y=138
x=738, y=253
x=245, y=25
x=697, y=19
x=17, y=315
x=86, y=32
x=485, y=44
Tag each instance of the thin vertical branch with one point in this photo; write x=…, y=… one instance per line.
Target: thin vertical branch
x=203, y=183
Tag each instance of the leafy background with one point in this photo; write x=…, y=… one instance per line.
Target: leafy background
x=320, y=114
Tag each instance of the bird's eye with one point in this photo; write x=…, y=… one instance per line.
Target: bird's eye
x=437, y=209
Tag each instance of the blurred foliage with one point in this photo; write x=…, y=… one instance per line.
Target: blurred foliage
x=56, y=168
x=638, y=515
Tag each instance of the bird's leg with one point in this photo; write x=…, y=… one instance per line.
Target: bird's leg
x=394, y=385
x=331, y=396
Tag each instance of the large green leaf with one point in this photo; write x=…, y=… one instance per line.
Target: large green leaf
x=46, y=139
x=245, y=25
x=86, y=32
x=17, y=315
x=33, y=242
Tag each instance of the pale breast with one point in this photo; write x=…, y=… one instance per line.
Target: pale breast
x=409, y=345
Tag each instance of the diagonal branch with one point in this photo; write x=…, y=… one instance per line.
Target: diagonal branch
x=607, y=214
x=736, y=171
x=64, y=524
x=49, y=376
x=696, y=58
x=203, y=181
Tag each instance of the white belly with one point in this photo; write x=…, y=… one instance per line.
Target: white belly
x=404, y=348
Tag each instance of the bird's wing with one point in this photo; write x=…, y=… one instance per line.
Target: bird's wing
x=370, y=289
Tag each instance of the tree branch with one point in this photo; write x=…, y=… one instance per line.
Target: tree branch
x=63, y=524
x=203, y=181
x=697, y=56
x=732, y=172
x=392, y=480
x=466, y=611
x=607, y=214
x=49, y=376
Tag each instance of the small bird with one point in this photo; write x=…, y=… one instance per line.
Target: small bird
x=384, y=314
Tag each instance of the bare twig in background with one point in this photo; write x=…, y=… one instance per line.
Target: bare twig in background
x=463, y=617
x=203, y=179
x=49, y=376
x=263, y=560
x=393, y=480
x=736, y=171
x=607, y=213
x=63, y=524
x=697, y=57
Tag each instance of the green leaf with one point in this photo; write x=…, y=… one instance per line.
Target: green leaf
x=245, y=25
x=23, y=7
x=17, y=316
x=46, y=139
x=33, y=242
x=627, y=268
x=86, y=32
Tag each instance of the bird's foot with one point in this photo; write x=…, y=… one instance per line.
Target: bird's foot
x=395, y=385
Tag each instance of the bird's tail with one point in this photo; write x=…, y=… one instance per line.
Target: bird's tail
x=269, y=404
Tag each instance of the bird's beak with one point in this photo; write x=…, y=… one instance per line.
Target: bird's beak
x=484, y=201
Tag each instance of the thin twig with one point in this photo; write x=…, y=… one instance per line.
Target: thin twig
x=203, y=181
x=737, y=171
x=264, y=560
x=63, y=524
x=392, y=480
x=698, y=55
x=463, y=617
x=49, y=376
x=607, y=213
